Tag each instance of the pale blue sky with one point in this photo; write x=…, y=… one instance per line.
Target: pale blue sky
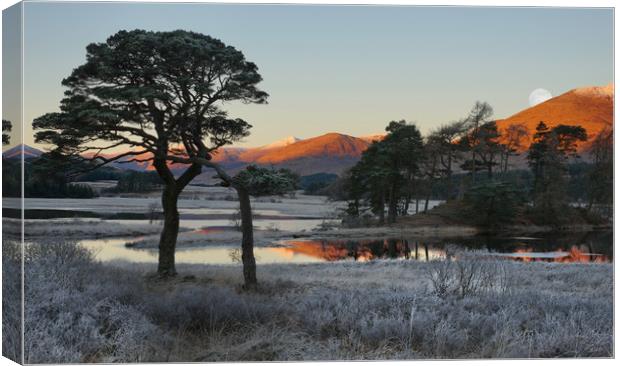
x=345, y=68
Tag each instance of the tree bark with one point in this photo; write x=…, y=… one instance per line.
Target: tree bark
x=168, y=238
x=247, y=241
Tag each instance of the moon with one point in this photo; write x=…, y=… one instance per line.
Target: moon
x=539, y=95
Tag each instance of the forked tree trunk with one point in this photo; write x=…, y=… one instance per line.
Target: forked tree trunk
x=168, y=238
x=247, y=240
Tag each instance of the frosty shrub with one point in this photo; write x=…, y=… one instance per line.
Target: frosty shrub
x=75, y=312
x=11, y=300
x=468, y=275
x=207, y=309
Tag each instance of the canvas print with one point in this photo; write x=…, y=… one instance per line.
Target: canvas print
x=233, y=182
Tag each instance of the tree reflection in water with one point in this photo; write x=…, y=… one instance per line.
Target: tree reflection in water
x=590, y=247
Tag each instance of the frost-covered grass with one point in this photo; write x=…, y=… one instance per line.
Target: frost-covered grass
x=205, y=200
x=78, y=310
x=11, y=301
x=77, y=228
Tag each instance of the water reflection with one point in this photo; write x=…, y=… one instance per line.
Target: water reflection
x=107, y=250
x=591, y=247
x=363, y=250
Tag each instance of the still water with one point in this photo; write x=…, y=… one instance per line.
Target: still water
x=586, y=247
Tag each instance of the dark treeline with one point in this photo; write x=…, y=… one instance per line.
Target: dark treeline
x=45, y=180
x=44, y=177
x=101, y=173
x=137, y=182
x=316, y=184
x=469, y=164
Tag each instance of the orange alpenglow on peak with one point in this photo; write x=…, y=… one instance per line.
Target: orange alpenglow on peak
x=591, y=108
x=328, y=153
x=330, y=144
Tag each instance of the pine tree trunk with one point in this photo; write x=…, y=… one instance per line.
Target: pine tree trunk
x=473, y=166
x=168, y=238
x=170, y=195
x=428, y=197
x=247, y=241
x=382, y=209
x=392, y=205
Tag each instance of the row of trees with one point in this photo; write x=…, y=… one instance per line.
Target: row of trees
x=137, y=182
x=405, y=166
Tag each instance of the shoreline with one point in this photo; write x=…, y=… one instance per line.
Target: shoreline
x=93, y=228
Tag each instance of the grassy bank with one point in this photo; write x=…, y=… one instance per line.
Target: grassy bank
x=78, y=310
x=456, y=215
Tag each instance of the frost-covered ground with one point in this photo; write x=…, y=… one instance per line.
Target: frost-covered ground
x=76, y=228
x=78, y=310
x=199, y=200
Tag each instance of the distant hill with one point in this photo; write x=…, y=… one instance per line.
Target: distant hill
x=16, y=152
x=590, y=107
x=329, y=153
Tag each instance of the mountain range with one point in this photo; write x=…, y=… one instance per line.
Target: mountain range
x=590, y=107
